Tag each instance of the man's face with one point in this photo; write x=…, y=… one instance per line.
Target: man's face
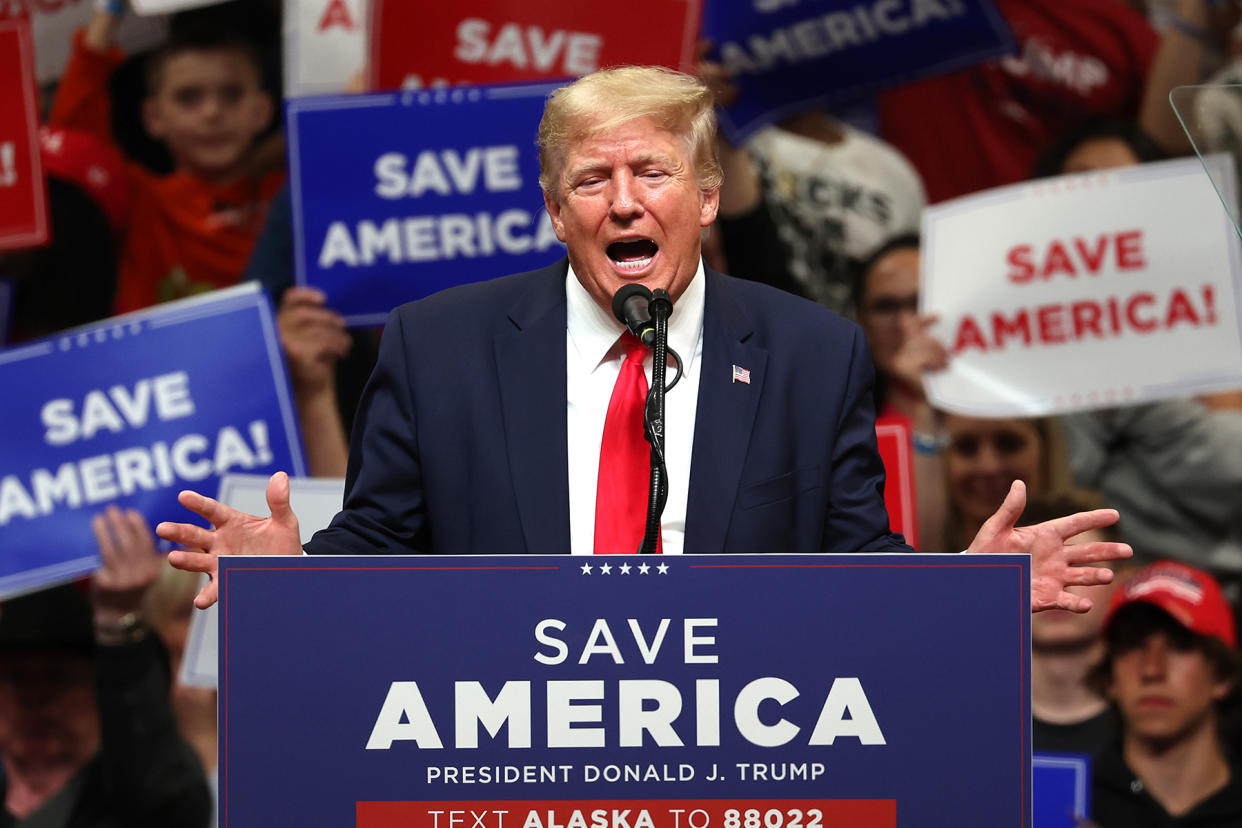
x=888, y=307
x=1165, y=692
x=628, y=206
x=208, y=109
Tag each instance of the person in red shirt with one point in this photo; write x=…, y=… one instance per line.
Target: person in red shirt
x=191, y=231
x=984, y=126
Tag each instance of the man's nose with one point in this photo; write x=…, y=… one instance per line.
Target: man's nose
x=626, y=203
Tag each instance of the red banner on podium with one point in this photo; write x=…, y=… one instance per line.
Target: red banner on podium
x=416, y=45
x=23, y=192
x=654, y=813
x=893, y=436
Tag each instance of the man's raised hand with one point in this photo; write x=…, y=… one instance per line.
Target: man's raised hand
x=234, y=533
x=1055, y=564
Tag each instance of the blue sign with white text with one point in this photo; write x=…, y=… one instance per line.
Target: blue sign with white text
x=397, y=196
x=692, y=691
x=787, y=56
x=131, y=411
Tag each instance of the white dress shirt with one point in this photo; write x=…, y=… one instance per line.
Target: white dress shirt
x=594, y=354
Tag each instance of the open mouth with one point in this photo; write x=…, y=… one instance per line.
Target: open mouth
x=632, y=255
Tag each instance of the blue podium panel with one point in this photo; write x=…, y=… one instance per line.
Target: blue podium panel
x=767, y=691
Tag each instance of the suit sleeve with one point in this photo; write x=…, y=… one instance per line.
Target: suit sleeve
x=385, y=504
x=857, y=519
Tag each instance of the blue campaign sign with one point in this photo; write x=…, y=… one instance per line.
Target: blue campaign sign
x=130, y=411
x=747, y=691
x=787, y=56
x=1061, y=783
x=397, y=196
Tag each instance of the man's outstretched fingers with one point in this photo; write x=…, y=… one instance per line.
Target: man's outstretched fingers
x=214, y=511
x=207, y=595
x=1073, y=603
x=1010, y=510
x=186, y=534
x=1088, y=576
x=1080, y=522
x=278, y=498
x=1097, y=551
x=192, y=560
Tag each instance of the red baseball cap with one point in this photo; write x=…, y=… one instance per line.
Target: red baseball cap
x=1191, y=596
x=92, y=165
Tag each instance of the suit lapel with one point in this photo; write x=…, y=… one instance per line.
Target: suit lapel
x=530, y=359
x=724, y=417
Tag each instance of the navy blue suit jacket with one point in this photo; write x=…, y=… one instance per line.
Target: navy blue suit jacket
x=459, y=445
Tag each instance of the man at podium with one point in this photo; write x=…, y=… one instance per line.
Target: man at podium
x=506, y=416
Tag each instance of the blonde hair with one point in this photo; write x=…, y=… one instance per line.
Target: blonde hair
x=609, y=98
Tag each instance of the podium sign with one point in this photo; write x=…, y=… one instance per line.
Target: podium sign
x=742, y=691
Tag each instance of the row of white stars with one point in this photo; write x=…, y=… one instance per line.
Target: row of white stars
x=643, y=569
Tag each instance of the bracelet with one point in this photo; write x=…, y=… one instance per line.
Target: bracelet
x=128, y=629
x=116, y=8
x=929, y=443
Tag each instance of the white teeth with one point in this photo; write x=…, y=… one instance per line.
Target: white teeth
x=635, y=265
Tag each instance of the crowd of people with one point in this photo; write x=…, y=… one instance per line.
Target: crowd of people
x=178, y=189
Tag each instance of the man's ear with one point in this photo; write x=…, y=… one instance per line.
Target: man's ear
x=709, y=203
x=554, y=212
x=152, y=117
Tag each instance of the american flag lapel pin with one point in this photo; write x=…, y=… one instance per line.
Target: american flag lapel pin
x=741, y=374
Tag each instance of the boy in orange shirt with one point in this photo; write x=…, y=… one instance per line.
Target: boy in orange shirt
x=193, y=230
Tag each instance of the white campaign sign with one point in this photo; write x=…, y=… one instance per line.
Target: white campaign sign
x=314, y=500
x=325, y=45
x=1084, y=291
x=145, y=7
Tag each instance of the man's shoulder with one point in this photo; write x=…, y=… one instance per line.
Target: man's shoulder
x=775, y=312
x=486, y=300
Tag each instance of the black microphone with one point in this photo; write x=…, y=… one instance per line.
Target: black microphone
x=629, y=305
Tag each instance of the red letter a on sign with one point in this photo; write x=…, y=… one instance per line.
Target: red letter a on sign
x=336, y=14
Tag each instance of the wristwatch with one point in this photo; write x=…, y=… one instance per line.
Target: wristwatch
x=128, y=629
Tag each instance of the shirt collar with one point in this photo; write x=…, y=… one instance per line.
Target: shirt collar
x=594, y=331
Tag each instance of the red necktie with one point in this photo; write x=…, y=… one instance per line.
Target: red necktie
x=624, y=460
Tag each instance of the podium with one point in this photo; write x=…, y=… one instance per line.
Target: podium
x=739, y=691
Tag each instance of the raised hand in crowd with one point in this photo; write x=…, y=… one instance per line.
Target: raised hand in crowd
x=234, y=533
x=130, y=566
x=314, y=339
x=920, y=353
